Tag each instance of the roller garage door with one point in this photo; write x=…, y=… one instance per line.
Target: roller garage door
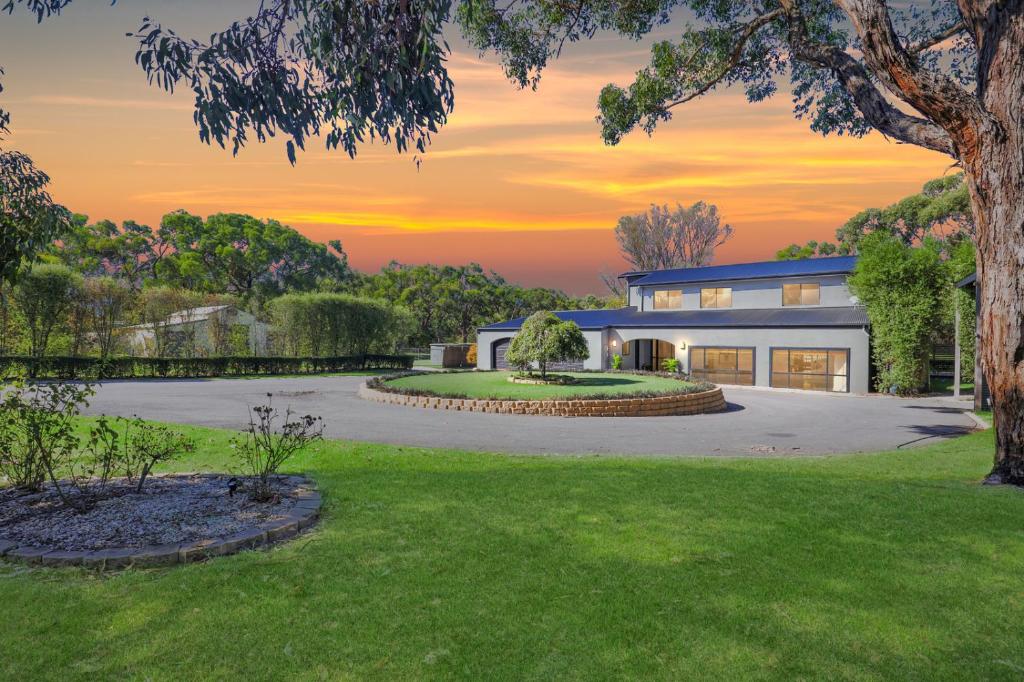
x=499, y=348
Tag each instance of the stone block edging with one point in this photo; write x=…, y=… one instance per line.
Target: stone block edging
x=301, y=516
x=668, y=405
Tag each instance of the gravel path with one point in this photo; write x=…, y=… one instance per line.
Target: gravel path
x=759, y=423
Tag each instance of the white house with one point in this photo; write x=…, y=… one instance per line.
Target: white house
x=784, y=324
x=203, y=331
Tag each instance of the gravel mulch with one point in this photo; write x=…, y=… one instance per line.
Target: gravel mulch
x=173, y=509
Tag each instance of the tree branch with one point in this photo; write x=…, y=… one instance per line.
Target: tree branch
x=934, y=40
x=735, y=57
x=856, y=80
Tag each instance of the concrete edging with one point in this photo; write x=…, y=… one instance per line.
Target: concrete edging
x=671, y=405
x=302, y=516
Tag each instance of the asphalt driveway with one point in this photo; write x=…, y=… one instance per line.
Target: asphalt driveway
x=758, y=423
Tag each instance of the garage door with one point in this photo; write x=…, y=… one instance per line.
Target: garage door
x=812, y=369
x=722, y=365
x=499, y=349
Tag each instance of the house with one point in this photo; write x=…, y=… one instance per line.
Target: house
x=204, y=331
x=783, y=324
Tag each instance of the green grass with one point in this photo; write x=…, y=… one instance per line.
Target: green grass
x=496, y=385
x=439, y=565
x=945, y=385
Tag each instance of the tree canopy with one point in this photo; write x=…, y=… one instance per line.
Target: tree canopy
x=543, y=339
x=664, y=237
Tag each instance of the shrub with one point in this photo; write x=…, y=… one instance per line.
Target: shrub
x=670, y=365
x=263, y=447
x=544, y=339
x=38, y=433
x=147, y=445
x=471, y=357
x=334, y=324
x=616, y=361
x=45, y=295
x=63, y=367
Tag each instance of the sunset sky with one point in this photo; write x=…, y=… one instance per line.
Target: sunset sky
x=518, y=181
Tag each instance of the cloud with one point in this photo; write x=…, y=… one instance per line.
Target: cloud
x=111, y=103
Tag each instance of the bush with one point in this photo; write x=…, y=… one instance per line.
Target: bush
x=616, y=361
x=471, y=356
x=264, y=448
x=63, y=367
x=543, y=339
x=335, y=324
x=670, y=365
x=147, y=445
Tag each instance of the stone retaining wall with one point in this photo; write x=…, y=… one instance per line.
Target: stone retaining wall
x=300, y=517
x=690, y=403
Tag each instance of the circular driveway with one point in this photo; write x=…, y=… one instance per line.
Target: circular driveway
x=759, y=422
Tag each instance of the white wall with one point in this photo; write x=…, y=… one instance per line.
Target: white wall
x=762, y=340
x=597, y=344
x=759, y=293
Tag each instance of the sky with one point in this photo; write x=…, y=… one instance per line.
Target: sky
x=518, y=181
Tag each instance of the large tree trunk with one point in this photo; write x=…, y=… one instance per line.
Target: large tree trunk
x=996, y=180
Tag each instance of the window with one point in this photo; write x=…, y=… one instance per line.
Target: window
x=801, y=294
x=812, y=370
x=716, y=298
x=668, y=299
x=723, y=365
x=626, y=348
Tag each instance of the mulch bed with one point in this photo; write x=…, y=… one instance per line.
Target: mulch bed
x=171, y=510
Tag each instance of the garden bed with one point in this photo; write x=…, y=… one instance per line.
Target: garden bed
x=596, y=394
x=175, y=519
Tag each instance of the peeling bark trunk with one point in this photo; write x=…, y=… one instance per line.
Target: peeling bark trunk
x=994, y=167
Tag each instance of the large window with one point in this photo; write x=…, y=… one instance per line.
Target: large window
x=668, y=299
x=811, y=369
x=801, y=294
x=723, y=365
x=720, y=297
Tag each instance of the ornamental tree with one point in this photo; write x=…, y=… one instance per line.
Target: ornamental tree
x=544, y=339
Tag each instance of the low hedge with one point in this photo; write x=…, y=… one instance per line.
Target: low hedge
x=67, y=367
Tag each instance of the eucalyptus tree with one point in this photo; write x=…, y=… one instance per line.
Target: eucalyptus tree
x=943, y=75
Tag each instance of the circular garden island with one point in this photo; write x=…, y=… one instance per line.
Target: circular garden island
x=571, y=394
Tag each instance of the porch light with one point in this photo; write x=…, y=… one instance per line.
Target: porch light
x=614, y=343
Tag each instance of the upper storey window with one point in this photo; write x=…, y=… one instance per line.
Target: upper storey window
x=720, y=297
x=668, y=299
x=801, y=294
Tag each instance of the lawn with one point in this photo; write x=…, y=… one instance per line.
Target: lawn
x=496, y=385
x=439, y=564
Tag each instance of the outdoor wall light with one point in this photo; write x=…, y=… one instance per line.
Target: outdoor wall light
x=614, y=343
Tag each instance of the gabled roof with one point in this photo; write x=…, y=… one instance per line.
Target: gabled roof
x=849, y=316
x=839, y=265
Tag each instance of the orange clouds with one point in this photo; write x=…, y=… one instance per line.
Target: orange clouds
x=519, y=181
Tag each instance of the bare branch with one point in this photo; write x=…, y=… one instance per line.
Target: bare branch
x=940, y=37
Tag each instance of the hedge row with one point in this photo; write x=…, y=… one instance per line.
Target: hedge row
x=64, y=367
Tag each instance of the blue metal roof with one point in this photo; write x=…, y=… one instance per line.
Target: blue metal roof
x=682, y=319
x=840, y=265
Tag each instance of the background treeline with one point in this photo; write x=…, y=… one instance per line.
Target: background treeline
x=87, y=292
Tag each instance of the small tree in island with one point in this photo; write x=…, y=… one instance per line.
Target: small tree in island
x=544, y=339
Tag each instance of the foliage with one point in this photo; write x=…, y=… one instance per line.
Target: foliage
x=665, y=238
x=450, y=302
x=264, y=447
x=670, y=365
x=961, y=263
x=543, y=339
x=616, y=362
x=45, y=295
x=161, y=309
x=334, y=324
x=105, y=301
x=471, y=355
x=29, y=218
x=905, y=291
x=941, y=210
x=147, y=445
x=38, y=433
x=63, y=367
